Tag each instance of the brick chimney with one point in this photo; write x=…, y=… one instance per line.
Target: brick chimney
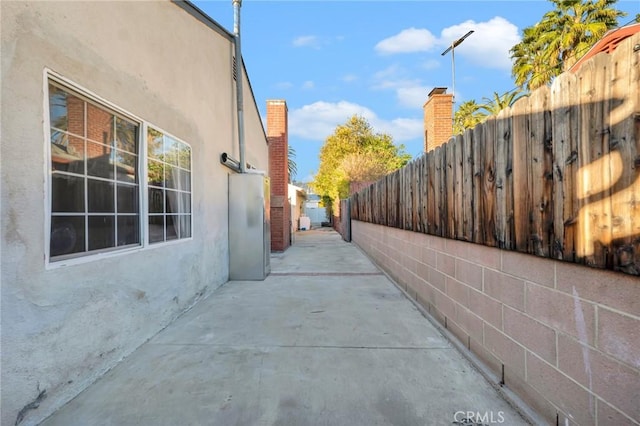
x=277, y=135
x=438, y=119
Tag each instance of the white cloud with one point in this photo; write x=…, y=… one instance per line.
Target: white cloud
x=407, y=41
x=315, y=42
x=409, y=92
x=392, y=77
x=318, y=120
x=284, y=85
x=402, y=129
x=412, y=96
x=391, y=73
x=348, y=78
x=431, y=64
x=308, y=85
x=306, y=41
x=487, y=47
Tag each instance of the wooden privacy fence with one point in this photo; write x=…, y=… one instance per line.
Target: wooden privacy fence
x=556, y=175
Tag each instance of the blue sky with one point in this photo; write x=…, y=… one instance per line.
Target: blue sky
x=330, y=60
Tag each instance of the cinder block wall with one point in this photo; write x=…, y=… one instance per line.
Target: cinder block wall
x=567, y=335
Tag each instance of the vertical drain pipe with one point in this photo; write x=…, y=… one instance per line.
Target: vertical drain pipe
x=239, y=98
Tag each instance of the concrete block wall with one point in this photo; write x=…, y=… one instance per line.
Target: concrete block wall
x=566, y=336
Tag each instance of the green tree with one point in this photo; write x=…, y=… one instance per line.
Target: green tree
x=562, y=37
x=363, y=167
x=530, y=67
x=339, y=158
x=492, y=106
x=466, y=117
x=291, y=164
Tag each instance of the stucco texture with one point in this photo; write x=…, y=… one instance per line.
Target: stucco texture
x=64, y=326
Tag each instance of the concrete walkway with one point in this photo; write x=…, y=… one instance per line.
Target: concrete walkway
x=326, y=339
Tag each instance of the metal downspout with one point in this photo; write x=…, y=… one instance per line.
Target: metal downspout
x=239, y=99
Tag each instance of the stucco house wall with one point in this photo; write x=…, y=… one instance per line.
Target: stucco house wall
x=65, y=323
x=297, y=197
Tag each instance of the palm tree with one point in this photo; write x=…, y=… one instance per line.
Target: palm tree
x=493, y=106
x=292, y=166
x=563, y=35
x=530, y=67
x=466, y=117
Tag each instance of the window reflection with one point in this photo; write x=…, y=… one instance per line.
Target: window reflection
x=67, y=193
x=100, y=125
x=171, y=227
x=185, y=181
x=156, y=200
x=155, y=145
x=99, y=160
x=169, y=167
x=89, y=211
x=185, y=226
x=128, y=230
x=185, y=157
x=156, y=228
x=127, y=199
x=102, y=232
x=57, y=108
x=67, y=235
x=67, y=153
x=126, y=165
x=100, y=194
x=171, y=150
x=126, y=135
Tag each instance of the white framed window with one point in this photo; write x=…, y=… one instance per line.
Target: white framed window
x=100, y=199
x=169, y=187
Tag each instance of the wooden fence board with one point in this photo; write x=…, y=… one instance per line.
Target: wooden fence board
x=502, y=129
x=509, y=226
x=521, y=173
x=492, y=128
x=408, y=207
x=393, y=200
x=457, y=212
x=625, y=143
x=601, y=150
x=422, y=204
x=590, y=185
x=505, y=170
x=414, y=196
x=438, y=192
x=540, y=232
x=467, y=210
x=565, y=155
x=449, y=192
x=432, y=209
x=584, y=240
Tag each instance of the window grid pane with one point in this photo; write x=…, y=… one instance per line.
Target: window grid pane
x=95, y=182
x=169, y=174
x=92, y=182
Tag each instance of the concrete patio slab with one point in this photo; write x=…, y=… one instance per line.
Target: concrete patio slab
x=326, y=339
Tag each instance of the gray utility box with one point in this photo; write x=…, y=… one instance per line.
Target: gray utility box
x=249, y=227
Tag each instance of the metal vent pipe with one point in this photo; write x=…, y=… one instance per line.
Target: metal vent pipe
x=239, y=100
